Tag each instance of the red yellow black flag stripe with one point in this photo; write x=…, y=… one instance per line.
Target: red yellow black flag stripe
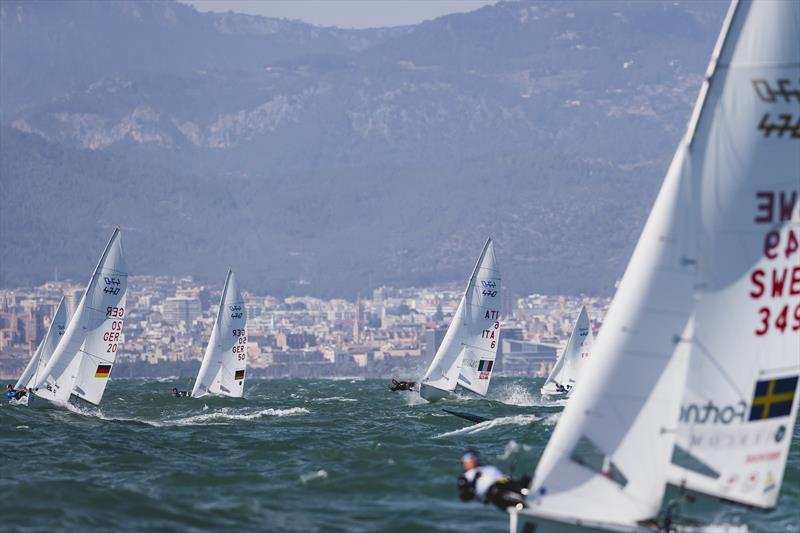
x=102, y=371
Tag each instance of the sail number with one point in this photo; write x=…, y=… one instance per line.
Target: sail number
x=777, y=208
x=240, y=347
x=490, y=334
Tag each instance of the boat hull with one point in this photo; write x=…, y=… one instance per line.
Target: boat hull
x=432, y=394
x=526, y=521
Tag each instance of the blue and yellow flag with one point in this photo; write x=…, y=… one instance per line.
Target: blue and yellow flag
x=773, y=398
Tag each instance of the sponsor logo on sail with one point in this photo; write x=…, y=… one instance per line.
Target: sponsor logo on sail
x=773, y=398
x=762, y=457
x=769, y=483
x=737, y=437
x=711, y=413
x=750, y=482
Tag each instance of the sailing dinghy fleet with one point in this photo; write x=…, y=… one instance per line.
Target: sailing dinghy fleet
x=74, y=360
x=693, y=380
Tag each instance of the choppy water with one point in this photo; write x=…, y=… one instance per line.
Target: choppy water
x=294, y=455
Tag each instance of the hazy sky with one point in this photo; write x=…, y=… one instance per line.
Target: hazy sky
x=345, y=13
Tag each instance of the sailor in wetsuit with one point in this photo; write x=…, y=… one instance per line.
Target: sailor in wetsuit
x=489, y=484
x=561, y=388
x=179, y=393
x=14, y=394
x=401, y=385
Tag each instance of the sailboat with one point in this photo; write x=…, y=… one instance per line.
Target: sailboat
x=225, y=361
x=81, y=362
x=466, y=356
x=694, y=377
x=565, y=373
x=44, y=351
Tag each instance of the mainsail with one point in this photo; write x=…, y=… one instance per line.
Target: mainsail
x=225, y=361
x=574, y=357
x=82, y=361
x=700, y=290
x=468, y=350
x=44, y=351
x=739, y=408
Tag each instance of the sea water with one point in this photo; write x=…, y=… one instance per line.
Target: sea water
x=292, y=455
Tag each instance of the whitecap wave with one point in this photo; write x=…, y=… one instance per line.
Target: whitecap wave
x=513, y=448
x=551, y=420
x=224, y=416
x=517, y=420
x=333, y=399
x=516, y=394
x=311, y=476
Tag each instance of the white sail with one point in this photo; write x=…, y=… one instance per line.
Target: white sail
x=574, y=357
x=225, y=362
x=687, y=285
x=468, y=350
x=82, y=361
x=740, y=404
x=44, y=351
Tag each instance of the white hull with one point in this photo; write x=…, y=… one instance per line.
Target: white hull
x=32, y=401
x=432, y=394
x=527, y=522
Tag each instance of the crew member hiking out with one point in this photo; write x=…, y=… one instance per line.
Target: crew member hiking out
x=15, y=394
x=489, y=484
x=401, y=385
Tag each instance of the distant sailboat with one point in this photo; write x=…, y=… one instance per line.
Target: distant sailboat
x=467, y=353
x=225, y=362
x=694, y=376
x=576, y=353
x=44, y=351
x=81, y=362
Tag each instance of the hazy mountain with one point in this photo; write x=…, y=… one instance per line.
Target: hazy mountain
x=326, y=161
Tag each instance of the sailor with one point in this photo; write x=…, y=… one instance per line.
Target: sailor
x=489, y=484
x=179, y=393
x=401, y=385
x=561, y=388
x=14, y=394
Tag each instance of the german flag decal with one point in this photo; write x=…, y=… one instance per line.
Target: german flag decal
x=102, y=371
x=239, y=375
x=773, y=398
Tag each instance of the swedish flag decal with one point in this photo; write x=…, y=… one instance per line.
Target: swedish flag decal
x=773, y=398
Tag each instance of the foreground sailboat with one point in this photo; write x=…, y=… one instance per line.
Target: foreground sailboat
x=565, y=373
x=467, y=353
x=225, y=361
x=43, y=353
x=82, y=360
x=697, y=362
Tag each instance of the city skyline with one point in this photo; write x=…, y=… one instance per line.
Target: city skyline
x=169, y=319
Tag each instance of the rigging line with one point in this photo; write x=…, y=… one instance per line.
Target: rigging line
x=477, y=348
x=707, y=353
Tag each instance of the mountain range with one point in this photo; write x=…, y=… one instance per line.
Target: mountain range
x=327, y=161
